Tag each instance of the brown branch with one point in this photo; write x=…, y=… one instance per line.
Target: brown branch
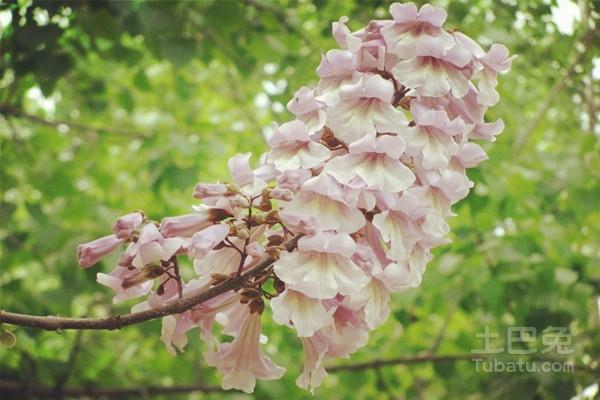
x=378, y=363
x=10, y=111
x=38, y=390
x=423, y=358
x=437, y=342
x=580, y=53
x=284, y=18
x=118, y=321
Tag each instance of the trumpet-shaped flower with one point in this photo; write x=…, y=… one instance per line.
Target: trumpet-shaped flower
x=365, y=108
x=305, y=314
x=376, y=162
x=242, y=361
x=322, y=268
x=292, y=148
x=325, y=199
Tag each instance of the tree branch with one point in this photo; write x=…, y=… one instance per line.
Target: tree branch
x=53, y=323
x=43, y=391
x=282, y=15
x=579, y=54
x=10, y=111
x=423, y=358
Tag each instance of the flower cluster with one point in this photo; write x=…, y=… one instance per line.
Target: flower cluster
x=363, y=180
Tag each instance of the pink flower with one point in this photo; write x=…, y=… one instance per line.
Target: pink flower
x=411, y=28
x=322, y=268
x=152, y=246
x=293, y=179
x=323, y=197
x=292, y=148
x=313, y=371
x=496, y=60
x=281, y=194
x=187, y=225
x=364, y=109
x=204, y=241
x=399, y=232
x=372, y=298
x=222, y=261
x=174, y=329
x=470, y=111
x=436, y=69
x=453, y=184
x=336, y=67
x=369, y=46
x=343, y=36
x=396, y=277
x=239, y=167
x=469, y=155
x=204, y=190
x=90, y=253
x=297, y=223
x=347, y=334
x=376, y=162
x=115, y=281
x=431, y=142
x=141, y=264
x=249, y=181
x=307, y=315
x=305, y=106
x=242, y=362
x=125, y=225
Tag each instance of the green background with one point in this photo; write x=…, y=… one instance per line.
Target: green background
x=108, y=107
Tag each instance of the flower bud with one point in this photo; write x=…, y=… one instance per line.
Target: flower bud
x=274, y=240
x=125, y=225
x=329, y=138
x=282, y=194
x=185, y=225
x=243, y=233
x=203, y=190
x=90, y=253
x=257, y=306
x=279, y=285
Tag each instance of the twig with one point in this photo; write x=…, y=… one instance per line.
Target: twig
x=440, y=336
x=177, y=278
x=282, y=16
x=233, y=246
x=559, y=85
x=38, y=390
x=423, y=358
x=589, y=88
x=379, y=363
x=10, y=111
x=118, y=321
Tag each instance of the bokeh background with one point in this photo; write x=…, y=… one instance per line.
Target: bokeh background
x=108, y=107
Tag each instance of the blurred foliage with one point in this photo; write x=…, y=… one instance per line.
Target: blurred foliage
x=108, y=107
